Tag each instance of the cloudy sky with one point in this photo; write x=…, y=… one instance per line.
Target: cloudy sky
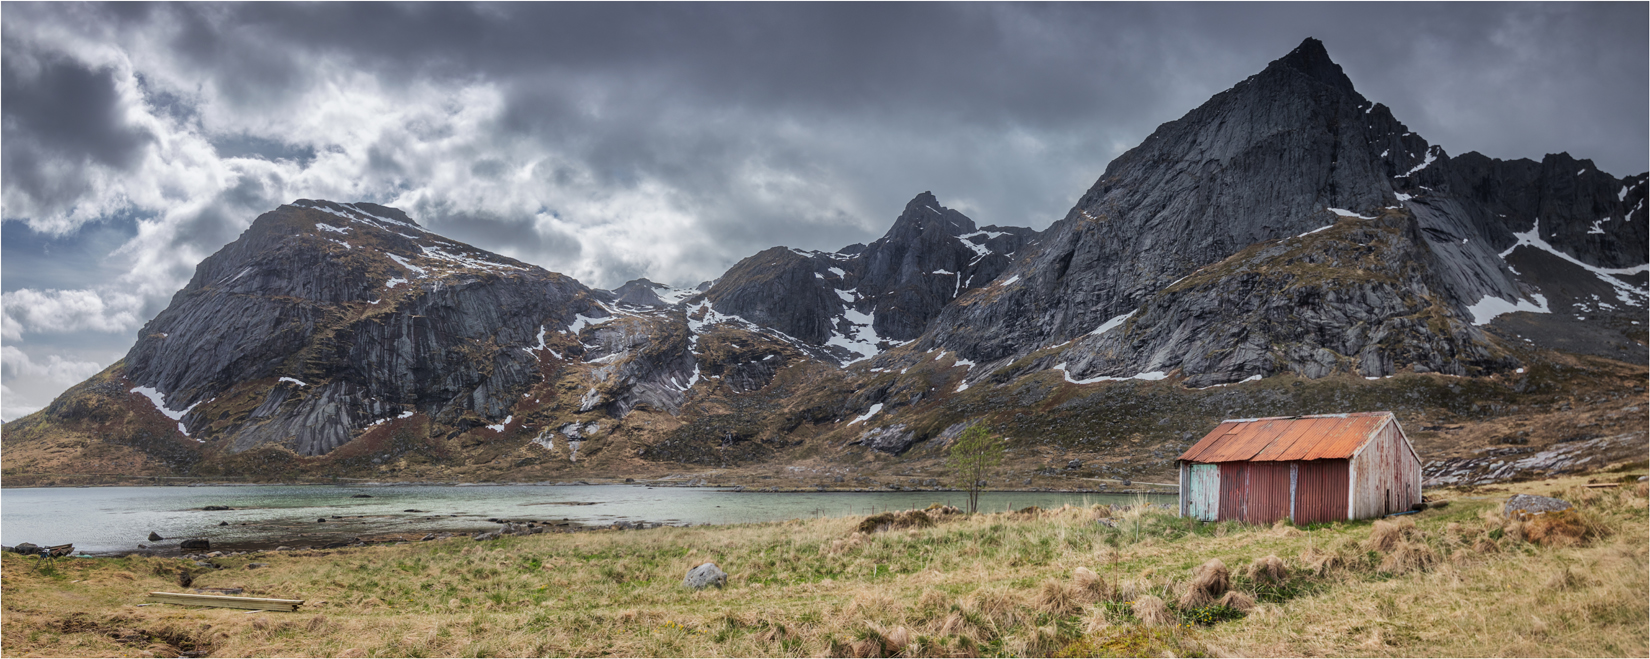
x=615, y=141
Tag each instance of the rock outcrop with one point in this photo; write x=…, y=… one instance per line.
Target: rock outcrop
x=1280, y=155
x=863, y=299
x=336, y=316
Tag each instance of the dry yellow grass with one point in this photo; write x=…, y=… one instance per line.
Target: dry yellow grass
x=988, y=585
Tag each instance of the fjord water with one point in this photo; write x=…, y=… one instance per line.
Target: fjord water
x=115, y=520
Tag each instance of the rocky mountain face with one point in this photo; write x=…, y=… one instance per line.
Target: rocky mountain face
x=1287, y=227
x=863, y=299
x=1280, y=155
x=340, y=316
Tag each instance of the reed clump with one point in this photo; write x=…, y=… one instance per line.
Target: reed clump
x=1209, y=581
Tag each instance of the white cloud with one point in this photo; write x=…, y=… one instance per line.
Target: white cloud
x=30, y=384
x=9, y=409
x=18, y=363
x=44, y=311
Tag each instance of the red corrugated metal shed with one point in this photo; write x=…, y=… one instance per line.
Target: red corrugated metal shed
x=1287, y=438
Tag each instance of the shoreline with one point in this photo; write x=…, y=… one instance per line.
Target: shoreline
x=728, y=487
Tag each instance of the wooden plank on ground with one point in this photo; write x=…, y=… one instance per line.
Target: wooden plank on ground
x=224, y=601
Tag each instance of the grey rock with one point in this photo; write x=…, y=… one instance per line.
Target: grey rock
x=639, y=293
x=893, y=440
x=1500, y=464
x=1233, y=183
x=1530, y=504
x=274, y=292
x=26, y=548
x=704, y=576
x=155, y=537
x=929, y=257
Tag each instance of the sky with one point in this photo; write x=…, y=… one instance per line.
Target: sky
x=613, y=141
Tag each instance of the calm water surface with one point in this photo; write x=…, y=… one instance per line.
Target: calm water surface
x=115, y=520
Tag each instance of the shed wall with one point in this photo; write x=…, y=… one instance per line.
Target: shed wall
x=1320, y=491
x=1254, y=492
x=1203, y=491
x=1386, y=476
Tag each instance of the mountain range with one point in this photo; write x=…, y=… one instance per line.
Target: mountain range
x=1288, y=247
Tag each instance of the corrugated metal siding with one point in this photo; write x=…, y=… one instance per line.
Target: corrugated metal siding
x=1320, y=491
x=1286, y=439
x=1386, y=475
x=1203, y=492
x=1254, y=492
x=1250, y=438
x=1268, y=492
x=1315, y=433
x=1197, y=449
x=1344, y=440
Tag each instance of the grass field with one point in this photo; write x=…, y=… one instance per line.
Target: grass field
x=1456, y=581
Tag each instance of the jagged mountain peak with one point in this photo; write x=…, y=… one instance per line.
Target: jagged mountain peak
x=924, y=214
x=1287, y=153
x=1311, y=59
x=359, y=210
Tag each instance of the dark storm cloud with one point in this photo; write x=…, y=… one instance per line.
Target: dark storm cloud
x=59, y=117
x=510, y=235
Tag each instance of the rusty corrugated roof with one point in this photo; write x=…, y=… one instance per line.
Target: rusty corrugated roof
x=1287, y=438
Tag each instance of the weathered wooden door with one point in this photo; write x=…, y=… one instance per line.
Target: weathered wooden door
x=1203, y=492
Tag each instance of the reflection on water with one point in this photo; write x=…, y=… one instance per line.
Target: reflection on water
x=115, y=520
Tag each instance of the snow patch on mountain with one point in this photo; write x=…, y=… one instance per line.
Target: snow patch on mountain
x=870, y=413
x=1627, y=293
x=1148, y=376
x=1343, y=213
x=1432, y=154
x=861, y=337
x=159, y=402
x=420, y=272
x=1491, y=306
x=1114, y=323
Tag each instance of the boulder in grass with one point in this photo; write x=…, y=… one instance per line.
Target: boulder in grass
x=1528, y=505
x=704, y=576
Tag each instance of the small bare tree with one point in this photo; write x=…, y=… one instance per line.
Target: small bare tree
x=975, y=453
